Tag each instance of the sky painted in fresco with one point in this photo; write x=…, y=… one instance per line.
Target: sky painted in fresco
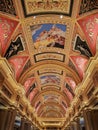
x=47, y=27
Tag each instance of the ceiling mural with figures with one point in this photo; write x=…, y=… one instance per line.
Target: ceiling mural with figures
x=48, y=44
x=48, y=35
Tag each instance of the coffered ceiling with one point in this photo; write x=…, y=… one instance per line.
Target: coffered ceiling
x=48, y=44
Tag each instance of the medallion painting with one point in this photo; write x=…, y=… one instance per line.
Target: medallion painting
x=48, y=35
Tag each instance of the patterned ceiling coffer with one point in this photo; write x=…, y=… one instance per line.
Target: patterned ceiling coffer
x=88, y=5
x=89, y=26
x=7, y=6
x=80, y=63
x=82, y=47
x=48, y=35
x=7, y=27
x=40, y=7
x=15, y=47
x=18, y=63
x=49, y=56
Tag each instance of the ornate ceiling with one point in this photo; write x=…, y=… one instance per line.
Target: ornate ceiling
x=48, y=44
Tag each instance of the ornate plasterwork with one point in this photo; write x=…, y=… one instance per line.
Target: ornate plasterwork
x=49, y=56
x=27, y=24
x=7, y=7
x=88, y=5
x=50, y=69
x=47, y=6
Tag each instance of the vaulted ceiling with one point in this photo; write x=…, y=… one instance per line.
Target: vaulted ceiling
x=48, y=44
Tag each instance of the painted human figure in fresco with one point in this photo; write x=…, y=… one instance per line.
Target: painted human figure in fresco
x=13, y=49
x=51, y=37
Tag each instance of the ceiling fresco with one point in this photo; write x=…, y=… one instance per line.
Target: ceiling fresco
x=15, y=47
x=49, y=50
x=7, y=27
x=48, y=35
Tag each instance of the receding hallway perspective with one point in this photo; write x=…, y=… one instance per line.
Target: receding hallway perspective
x=48, y=64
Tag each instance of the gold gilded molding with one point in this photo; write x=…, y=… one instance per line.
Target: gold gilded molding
x=46, y=6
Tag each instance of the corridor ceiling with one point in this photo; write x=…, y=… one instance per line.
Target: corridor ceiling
x=48, y=44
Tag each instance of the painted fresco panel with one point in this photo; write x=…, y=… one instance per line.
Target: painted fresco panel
x=15, y=47
x=71, y=82
x=28, y=83
x=33, y=94
x=7, y=27
x=50, y=79
x=82, y=47
x=18, y=63
x=80, y=64
x=89, y=26
x=48, y=35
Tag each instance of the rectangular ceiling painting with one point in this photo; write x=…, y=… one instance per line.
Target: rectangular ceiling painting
x=50, y=79
x=48, y=35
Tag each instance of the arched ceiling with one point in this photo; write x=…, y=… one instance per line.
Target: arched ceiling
x=48, y=44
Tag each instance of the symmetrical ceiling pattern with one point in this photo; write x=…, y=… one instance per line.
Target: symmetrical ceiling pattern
x=48, y=44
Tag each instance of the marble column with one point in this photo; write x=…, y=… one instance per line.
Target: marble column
x=7, y=118
x=22, y=124
x=25, y=125
x=91, y=119
x=3, y=117
x=77, y=124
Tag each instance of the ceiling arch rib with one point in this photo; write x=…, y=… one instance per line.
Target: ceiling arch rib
x=52, y=113
x=51, y=92
x=42, y=64
x=44, y=105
